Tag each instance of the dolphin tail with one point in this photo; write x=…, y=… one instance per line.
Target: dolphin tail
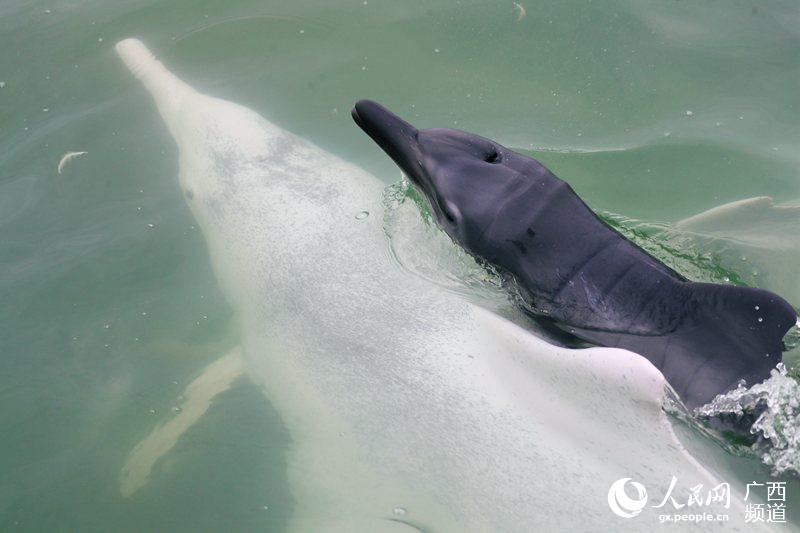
x=167, y=90
x=730, y=334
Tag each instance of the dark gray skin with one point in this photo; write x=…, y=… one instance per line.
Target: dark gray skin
x=510, y=211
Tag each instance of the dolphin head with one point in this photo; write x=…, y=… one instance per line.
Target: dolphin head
x=466, y=178
x=226, y=149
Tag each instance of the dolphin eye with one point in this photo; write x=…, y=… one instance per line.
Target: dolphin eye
x=492, y=157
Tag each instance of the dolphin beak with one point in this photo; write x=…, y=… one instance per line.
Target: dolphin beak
x=394, y=135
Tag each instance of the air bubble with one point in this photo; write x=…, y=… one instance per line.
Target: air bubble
x=400, y=511
x=362, y=215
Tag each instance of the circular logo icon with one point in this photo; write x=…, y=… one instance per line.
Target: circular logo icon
x=623, y=505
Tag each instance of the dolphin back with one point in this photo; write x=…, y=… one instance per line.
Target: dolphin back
x=727, y=334
x=601, y=287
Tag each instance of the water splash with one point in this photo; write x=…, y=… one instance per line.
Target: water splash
x=776, y=402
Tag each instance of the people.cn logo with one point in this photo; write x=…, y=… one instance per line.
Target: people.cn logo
x=623, y=505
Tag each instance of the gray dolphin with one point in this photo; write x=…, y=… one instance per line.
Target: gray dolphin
x=573, y=269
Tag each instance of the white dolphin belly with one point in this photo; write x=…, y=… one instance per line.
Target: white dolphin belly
x=406, y=404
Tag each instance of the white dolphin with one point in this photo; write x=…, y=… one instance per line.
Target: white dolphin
x=408, y=407
x=748, y=235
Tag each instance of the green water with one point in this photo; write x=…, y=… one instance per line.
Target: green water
x=656, y=110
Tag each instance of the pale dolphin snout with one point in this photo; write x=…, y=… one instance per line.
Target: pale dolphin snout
x=167, y=90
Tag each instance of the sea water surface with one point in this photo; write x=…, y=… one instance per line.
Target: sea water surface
x=653, y=110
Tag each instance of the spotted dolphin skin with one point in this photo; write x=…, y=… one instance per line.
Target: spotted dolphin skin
x=573, y=269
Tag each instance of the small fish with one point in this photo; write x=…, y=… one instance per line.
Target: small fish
x=522, y=11
x=66, y=158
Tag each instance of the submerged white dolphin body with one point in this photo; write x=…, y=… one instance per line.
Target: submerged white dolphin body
x=407, y=405
x=753, y=232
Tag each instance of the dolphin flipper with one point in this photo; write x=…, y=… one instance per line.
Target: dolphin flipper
x=215, y=379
